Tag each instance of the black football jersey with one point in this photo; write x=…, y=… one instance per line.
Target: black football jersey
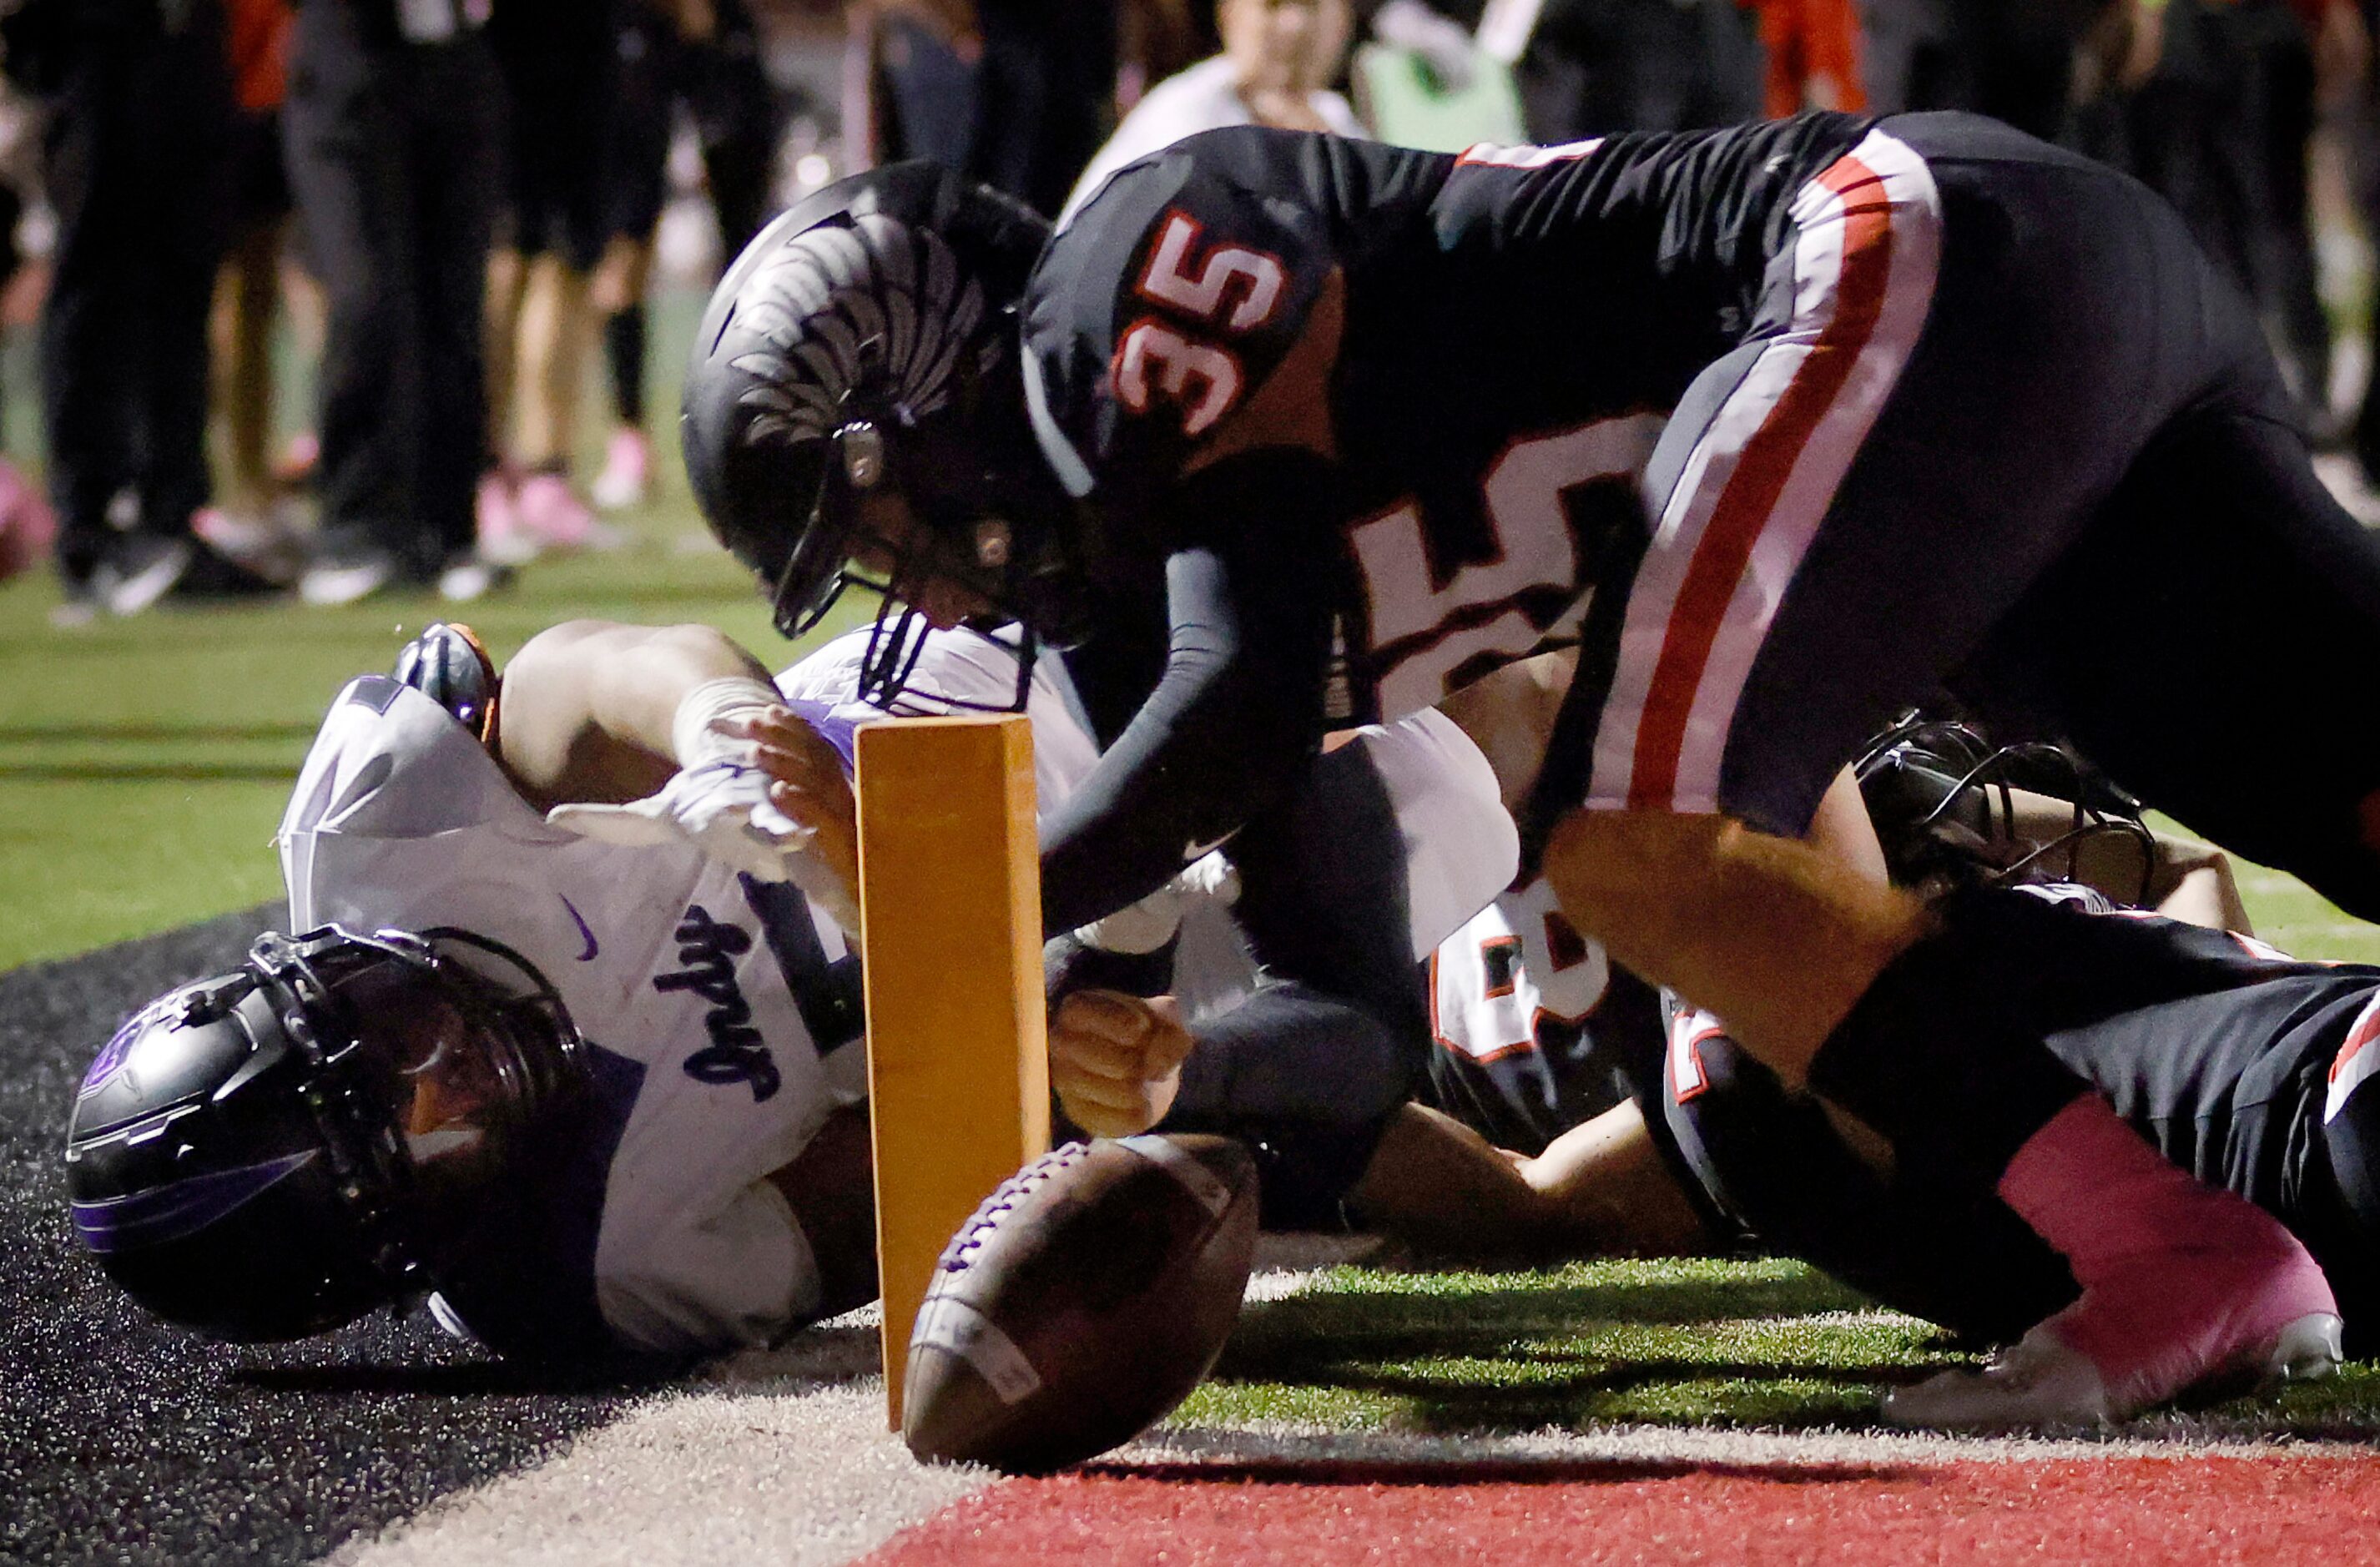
x=1432, y=379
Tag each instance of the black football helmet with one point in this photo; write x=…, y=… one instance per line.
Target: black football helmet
x=1940, y=794
x=867, y=339
x=273, y=1153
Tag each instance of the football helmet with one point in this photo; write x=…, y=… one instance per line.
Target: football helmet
x=449, y=665
x=865, y=342
x=272, y=1152
x=1940, y=794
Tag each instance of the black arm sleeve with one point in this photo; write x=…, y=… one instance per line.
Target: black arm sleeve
x=1235, y=717
x=1288, y=1052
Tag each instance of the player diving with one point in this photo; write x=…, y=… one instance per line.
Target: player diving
x=1784, y=427
x=569, y=1042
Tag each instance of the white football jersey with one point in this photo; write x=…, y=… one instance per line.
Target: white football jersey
x=723, y=1012
x=682, y=975
x=1515, y=966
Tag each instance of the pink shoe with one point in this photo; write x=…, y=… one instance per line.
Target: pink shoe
x=2186, y=1290
x=627, y=476
x=27, y=526
x=551, y=512
x=497, y=509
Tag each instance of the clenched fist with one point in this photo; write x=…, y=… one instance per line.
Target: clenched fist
x=1116, y=1059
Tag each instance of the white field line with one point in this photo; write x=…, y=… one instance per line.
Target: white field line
x=783, y=1456
x=779, y=1456
x=1287, y=1444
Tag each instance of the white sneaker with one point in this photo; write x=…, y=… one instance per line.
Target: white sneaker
x=145, y=571
x=469, y=578
x=348, y=579
x=2044, y=1381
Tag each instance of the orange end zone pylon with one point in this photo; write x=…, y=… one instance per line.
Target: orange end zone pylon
x=958, y=1071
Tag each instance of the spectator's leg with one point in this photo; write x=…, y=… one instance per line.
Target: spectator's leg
x=184, y=107
x=459, y=179
x=349, y=165
x=84, y=342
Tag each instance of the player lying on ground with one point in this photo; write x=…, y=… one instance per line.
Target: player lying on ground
x=609, y=1098
x=1355, y=425
x=1529, y=1142
x=2242, y=1065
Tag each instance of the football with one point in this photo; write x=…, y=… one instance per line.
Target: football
x=1083, y=1300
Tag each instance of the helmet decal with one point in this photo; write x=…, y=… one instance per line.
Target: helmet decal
x=111, y=1057
x=834, y=298
x=161, y=1214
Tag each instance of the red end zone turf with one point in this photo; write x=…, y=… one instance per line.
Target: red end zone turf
x=2141, y=1511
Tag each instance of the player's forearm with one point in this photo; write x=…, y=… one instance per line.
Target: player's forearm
x=1292, y=1053
x=1234, y=718
x=589, y=706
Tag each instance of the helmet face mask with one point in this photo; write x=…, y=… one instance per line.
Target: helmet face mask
x=275, y=1151
x=865, y=344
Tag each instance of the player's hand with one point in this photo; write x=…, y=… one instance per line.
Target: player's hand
x=1116, y=1059
x=807, y=785
x=722, y=807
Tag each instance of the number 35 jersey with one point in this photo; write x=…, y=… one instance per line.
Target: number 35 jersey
x=1434, y=378
x=723, y=1015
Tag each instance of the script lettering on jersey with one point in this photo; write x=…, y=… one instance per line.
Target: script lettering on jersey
x=706, y=950
x=1229, y=290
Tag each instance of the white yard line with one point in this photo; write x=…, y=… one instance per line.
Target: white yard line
x=780, y=1457
x=783, y=1456
x=1287, y=1444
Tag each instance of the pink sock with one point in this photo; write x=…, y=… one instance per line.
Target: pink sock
x=2179, y=1278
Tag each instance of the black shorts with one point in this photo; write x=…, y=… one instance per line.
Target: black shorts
x=2074, y=497
x=558, y=72
x=2240, y=1067
x=635, y=174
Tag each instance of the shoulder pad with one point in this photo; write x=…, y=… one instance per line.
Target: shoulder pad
x=447, y=664
x=1170, y=300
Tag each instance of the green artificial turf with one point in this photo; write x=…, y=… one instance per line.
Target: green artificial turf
x=1765, y=1343
x=144, y=763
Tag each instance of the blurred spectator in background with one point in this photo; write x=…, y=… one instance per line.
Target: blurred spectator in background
x=391, y=128
x=1016, y=94
x=635, y=181
x=705, y=54
x=1812, y=50
x=1592, y=67
x=1278, y=55
x=254, y=522
x=2011, y=59
x=2212, y=103
x=559, y=60
x=737, y=117
x=139, y=103
x=29, y=529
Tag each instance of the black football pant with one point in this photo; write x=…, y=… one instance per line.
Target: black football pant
x=394, y=158
x=2224, y=1071
x=137, y=172
x=2086, y=508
